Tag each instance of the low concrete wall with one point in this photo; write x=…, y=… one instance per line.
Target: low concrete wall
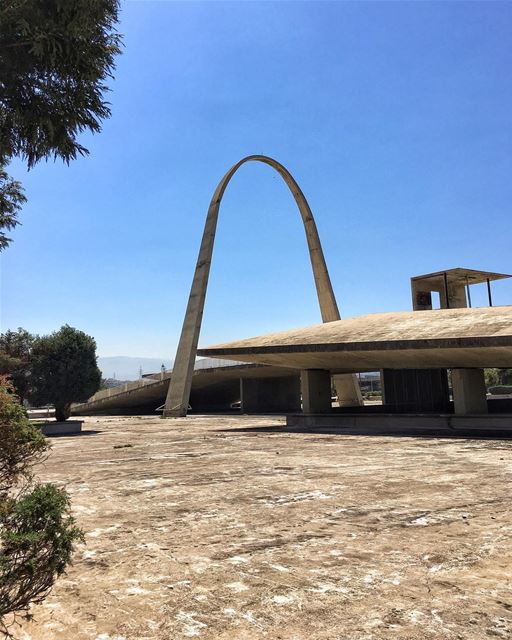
x=443, y=424
x=69, y=427
x=41, y=413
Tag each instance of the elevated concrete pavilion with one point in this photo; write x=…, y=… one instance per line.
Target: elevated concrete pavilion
x=457, y=339
x=453, y=286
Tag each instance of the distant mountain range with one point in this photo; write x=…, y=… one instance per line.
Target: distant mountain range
x=128, y=367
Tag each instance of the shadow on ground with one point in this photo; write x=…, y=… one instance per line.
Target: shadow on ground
x=74, y=435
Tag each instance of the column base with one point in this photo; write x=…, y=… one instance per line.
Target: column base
x=174, y=413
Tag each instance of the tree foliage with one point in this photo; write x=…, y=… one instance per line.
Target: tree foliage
x=492, y=377
x=12, y=199
x=496, y=377
x=64, y=370
x=15, y=354
x=21, y=444
x=55, y=59
x=37, y=531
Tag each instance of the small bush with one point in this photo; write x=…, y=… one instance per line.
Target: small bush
x=21, y=444
x=37, y=538
x=37, y=531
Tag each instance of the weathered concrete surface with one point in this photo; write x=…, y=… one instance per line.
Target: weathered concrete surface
x=66, y=428
x=197, y=529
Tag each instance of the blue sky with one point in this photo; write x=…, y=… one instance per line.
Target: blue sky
x=395, y=119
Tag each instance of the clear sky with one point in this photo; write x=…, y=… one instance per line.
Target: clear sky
x=395, y=119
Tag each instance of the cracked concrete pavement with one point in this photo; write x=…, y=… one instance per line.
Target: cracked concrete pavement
x=228, y=527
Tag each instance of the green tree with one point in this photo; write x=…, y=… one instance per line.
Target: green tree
x=15, y=349
x=55, y=59
x=64, y=370
x=11, y=201
x=37, y=531
x=492, y=377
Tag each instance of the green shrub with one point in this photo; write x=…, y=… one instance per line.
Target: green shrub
x=21, y=444
x=37, y=539
x=37, y=531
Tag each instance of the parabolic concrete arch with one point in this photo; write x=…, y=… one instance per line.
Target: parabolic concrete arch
x=181, y=381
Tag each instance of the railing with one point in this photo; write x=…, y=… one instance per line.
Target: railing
x=203, y=363
x=213, y=363
x=123, y=388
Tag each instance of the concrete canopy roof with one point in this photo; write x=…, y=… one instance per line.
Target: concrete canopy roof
x=459, y=276
x=451, y=338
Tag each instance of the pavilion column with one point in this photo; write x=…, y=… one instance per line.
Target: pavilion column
x=315, y=386
x=469, y=392
x=457, y=298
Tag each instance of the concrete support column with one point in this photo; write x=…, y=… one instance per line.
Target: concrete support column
x=347, y=389
x=469, y=392
x=456, y=297
x=315, y=386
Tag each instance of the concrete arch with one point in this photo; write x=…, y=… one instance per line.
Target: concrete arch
x=181, y=381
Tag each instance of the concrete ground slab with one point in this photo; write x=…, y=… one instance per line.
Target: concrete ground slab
x=226, y=528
